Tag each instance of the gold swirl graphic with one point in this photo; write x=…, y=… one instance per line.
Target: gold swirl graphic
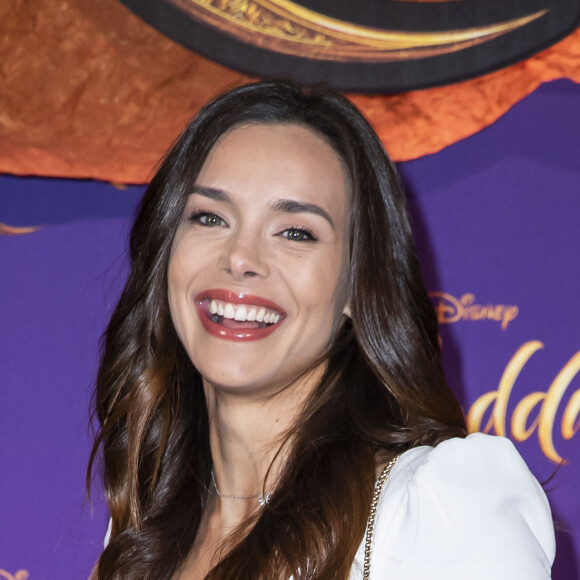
x=6, y=230
x=286, y=27
x=20, y=575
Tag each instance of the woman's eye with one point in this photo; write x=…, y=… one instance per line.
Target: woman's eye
x=207, y=219
x=299, y=235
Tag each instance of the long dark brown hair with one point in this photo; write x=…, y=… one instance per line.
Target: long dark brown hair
x=383, y=390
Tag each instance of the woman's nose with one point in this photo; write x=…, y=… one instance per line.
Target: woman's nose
x=243, y=257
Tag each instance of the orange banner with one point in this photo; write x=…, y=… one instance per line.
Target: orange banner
x=90, y=91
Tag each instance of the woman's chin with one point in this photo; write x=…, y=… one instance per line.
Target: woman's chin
x=247, y=383
x=240, y=386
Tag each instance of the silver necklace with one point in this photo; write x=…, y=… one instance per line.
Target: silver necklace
x=262, y=499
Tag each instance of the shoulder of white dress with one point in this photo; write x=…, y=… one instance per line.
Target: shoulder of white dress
x=475, y=461
x=447, y=505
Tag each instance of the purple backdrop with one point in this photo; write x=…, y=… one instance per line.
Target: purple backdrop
x=496, y=220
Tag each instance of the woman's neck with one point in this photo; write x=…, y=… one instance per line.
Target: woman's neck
x=247, y=440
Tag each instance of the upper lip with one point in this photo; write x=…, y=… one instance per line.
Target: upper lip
x=238, y=298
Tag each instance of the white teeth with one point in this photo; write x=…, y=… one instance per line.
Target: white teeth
x=229, y=311
x=241, y=313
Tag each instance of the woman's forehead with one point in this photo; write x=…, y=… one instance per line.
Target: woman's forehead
x=280, y=146
x=281, y=154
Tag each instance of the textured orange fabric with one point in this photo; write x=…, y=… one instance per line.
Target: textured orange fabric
x=88, y=90
x=422, y=122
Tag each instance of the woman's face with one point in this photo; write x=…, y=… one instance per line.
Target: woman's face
x=258, y=271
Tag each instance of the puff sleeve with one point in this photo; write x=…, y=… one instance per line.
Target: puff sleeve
x=468, y=508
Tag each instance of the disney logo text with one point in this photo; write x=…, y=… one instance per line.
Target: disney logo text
x=450, y=309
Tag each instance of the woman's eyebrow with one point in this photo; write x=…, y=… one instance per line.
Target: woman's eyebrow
x=212, y=193
x=292, y=206
x=281, y=205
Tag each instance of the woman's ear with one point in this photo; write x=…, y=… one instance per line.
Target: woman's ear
x=346, y=311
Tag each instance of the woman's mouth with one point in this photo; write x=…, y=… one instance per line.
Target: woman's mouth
x=238, y=317
x=241, y=315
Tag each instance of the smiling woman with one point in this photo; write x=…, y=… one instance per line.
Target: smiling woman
x=273, y=364
x=271, y=246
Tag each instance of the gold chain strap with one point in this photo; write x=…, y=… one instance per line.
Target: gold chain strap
x=373, y=515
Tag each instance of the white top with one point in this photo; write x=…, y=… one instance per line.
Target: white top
x=466, y=509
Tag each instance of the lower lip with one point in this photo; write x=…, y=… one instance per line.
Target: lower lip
x=235, y=334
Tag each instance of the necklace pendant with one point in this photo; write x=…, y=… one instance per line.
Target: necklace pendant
x=264, y=499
